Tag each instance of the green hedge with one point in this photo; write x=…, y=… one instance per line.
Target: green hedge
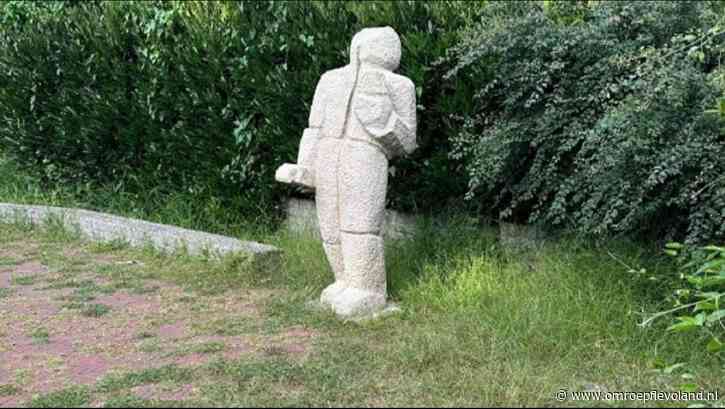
x=583, y=114
x=592, y=115
x=205, y=97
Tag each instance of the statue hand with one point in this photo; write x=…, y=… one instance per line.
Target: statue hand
x=295, y=175
x=395, y=136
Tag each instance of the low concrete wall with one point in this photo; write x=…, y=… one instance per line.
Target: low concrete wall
x=106, y=227
x=302, y=217
x=521, y=237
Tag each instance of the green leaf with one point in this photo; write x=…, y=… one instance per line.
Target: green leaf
x=700, y=319
x=712, y=266
x=713, y=247
x=688, y=387
x=682, y=327
x=716, y=316
x=714, y=346
x=707, y=305
x=710, y=282
x=685, y=324
x=673, y=368
x=713, y=295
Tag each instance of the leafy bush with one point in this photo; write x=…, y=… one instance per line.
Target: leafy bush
x=583, y=114
x=592, y=115
x=699, y=301
x=204, y=97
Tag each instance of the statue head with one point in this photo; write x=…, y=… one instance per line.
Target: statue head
x=378, y=46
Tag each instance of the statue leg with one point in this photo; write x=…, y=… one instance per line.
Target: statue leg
x=363, y=186
x=365, y=291
x=333, y=251
x=326, y=198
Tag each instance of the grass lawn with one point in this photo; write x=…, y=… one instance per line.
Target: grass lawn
x=102, y=324
x=480, y=326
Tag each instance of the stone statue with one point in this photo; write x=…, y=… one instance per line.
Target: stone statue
x=362, y=116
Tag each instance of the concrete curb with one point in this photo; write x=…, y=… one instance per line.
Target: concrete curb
x=302, y=217
x=105, y=227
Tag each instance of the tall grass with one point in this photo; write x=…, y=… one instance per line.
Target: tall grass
x=482, y=324
x=186, y=209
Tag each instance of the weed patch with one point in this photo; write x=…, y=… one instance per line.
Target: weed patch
x=171, y=373
x=8, y=390
x=67, y=398
x=95, y=310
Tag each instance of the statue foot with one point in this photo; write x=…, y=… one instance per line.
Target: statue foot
x=331, y=293
x=350, y=302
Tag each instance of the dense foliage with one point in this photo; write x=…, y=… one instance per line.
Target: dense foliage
x=698, y=302
x=583, y=114
x=592, y=115
x=205, y=97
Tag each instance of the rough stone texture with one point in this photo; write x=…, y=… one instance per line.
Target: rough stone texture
x=106, y=227
x=362, y=116
x=301, y=217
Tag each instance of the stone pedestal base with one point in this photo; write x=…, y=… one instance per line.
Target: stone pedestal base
x=354, y=304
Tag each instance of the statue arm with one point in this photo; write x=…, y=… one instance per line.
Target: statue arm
x=303, y=173
x=311, y=135
x=403, y=123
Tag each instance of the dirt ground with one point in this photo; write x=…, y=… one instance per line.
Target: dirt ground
x=85, y=318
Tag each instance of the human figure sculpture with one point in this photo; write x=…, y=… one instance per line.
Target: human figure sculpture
x=362, y=116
